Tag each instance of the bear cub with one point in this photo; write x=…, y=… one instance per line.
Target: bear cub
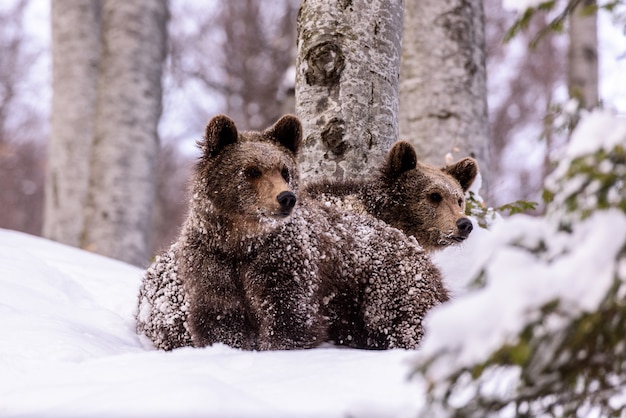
x=224, y=278
x=259, y=265
x=422, y=200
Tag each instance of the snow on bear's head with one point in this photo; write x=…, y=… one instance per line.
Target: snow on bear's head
x=425, y=201
x=248, y=178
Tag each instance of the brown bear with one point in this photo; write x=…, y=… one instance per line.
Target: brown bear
x=422, y=200
x=209, y=286
x=258, y=267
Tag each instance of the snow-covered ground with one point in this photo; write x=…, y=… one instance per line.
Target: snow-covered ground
x=68, y=348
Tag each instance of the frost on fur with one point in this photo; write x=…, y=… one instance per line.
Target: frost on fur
x=259, y=267
x=163, y=305
x=424, y=201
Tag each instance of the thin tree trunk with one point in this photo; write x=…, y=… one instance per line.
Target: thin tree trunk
x=582, y=72
x=443, y=91
x=126, y=143
x=75, y=53
x=347, y=84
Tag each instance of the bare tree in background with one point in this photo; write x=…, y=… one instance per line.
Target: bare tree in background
x=172, y=172
x=582, y=69
x=14, y=63
x=239, y=52
x=22, y=127
x=118, y=215
x=443, y=91
x=520, y=96
x=107, y=64
x=522, y=85
x=347, y=84
x=209, y=72
x=75, y=58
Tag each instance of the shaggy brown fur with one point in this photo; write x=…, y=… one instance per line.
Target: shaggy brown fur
x=421, y=200
x=217, y=281
x=251, y=272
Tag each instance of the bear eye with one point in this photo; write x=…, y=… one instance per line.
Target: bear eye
x=460, y=202
x=252, y=173
x=285, y=174
x=435, y=197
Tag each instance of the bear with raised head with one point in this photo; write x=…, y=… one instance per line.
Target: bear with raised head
x=216, y=282
x=424, y=201
x=260, y=266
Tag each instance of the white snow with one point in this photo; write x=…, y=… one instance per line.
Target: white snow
x=481, y=321
x=460, y=265
x=521, y=5
x=68, y=348
x=601, y=130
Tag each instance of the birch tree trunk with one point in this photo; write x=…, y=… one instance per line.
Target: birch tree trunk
x=347, y=84
x=75, y=53
x=443, y=90
x=126, y=143
x=582, y=71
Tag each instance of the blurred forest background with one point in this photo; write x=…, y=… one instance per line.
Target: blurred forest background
x=254, y=84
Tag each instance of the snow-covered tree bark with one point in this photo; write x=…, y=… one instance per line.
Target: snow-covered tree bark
x=126, y=143
x=347, y=84
x=443, y=92
x=75, y=54
x=582, y=72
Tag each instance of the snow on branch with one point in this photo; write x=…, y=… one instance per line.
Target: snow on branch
x=544, y=335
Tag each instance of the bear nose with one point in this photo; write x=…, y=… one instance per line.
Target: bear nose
x=286, y=200
x=465, y=226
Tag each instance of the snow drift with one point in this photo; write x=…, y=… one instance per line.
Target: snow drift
x=69, y=348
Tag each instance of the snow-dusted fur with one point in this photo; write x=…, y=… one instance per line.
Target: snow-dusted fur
x=424, y=201
x=241, y=275
x=163, y=304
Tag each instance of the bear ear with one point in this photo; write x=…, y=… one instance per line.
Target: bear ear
x=219, y=132
x=464, y=171
x=287, y=131
x=401, y=158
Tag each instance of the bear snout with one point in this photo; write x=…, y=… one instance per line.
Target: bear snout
x=465, y=227
x=286, y=200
